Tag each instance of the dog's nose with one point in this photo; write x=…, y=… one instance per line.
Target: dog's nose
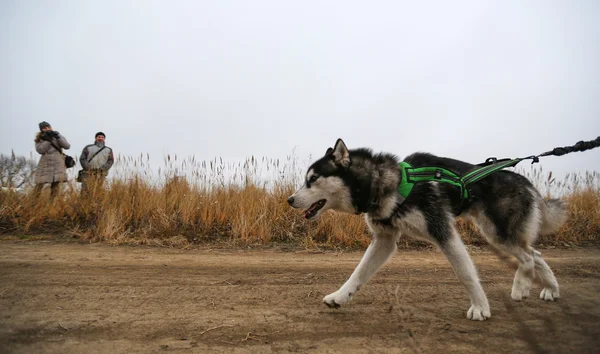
x=291, y=200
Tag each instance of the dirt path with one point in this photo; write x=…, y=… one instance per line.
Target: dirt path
x=58, y=297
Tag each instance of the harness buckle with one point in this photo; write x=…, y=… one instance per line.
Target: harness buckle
x=438, y=174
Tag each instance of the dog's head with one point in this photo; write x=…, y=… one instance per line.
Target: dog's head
x=325, y=186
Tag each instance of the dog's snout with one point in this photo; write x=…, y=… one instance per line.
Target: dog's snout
x=291, y=200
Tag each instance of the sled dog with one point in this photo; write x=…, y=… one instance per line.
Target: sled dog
x=505, y=207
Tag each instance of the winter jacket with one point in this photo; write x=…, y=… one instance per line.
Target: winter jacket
x=102, y=161
x=51, y=167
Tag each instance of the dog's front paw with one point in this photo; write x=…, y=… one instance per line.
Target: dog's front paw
x=520, y=289
x=337, y=299
x=479, y=313
x=519, y=295
x=549, y=294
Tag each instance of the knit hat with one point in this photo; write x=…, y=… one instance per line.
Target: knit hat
x=99, y=133
x=43, y=125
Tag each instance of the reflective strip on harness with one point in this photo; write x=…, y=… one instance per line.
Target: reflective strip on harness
x=411, y=175
x=485, y=171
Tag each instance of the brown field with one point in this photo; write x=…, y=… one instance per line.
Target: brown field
x=67, y=296
x=221, y=203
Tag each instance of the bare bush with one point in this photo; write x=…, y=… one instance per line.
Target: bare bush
x=16, y=172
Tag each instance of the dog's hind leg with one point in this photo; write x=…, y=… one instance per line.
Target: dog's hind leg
x=517, y=247
x=380, y=250
x=524, y=274
x=457, y=255
x=553, y=216
x=523, y=279
x=550, y=291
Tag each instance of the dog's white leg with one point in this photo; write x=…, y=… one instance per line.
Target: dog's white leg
x=380, y=250
x=524, y=274
x=550, y=291
x=457, y=255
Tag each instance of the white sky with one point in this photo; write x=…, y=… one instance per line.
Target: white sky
x=231, y=79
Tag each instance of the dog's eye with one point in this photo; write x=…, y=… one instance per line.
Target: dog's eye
x=313, y=178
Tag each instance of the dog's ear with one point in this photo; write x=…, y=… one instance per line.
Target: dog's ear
x=329, y=151
x=340, y=153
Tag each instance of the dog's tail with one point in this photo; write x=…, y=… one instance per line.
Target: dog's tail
x=554, y=215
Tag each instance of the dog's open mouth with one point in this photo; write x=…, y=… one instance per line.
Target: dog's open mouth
x=314, y=209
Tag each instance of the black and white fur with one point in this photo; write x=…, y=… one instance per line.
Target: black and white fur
x=505, y=206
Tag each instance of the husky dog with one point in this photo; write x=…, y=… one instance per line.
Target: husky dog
x=505, y=206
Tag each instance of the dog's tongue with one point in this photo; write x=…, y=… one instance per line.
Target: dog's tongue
x=309, y=211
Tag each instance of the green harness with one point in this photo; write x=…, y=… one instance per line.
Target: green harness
x=411, y=175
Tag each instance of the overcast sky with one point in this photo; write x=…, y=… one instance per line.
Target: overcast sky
x=230, y=79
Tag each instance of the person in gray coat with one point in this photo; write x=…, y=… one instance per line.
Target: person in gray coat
x=51, y=167
x=96, y=159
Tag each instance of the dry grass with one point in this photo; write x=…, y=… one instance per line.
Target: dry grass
x=230, y=204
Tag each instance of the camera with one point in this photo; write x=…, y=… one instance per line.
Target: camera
x=49, y=134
